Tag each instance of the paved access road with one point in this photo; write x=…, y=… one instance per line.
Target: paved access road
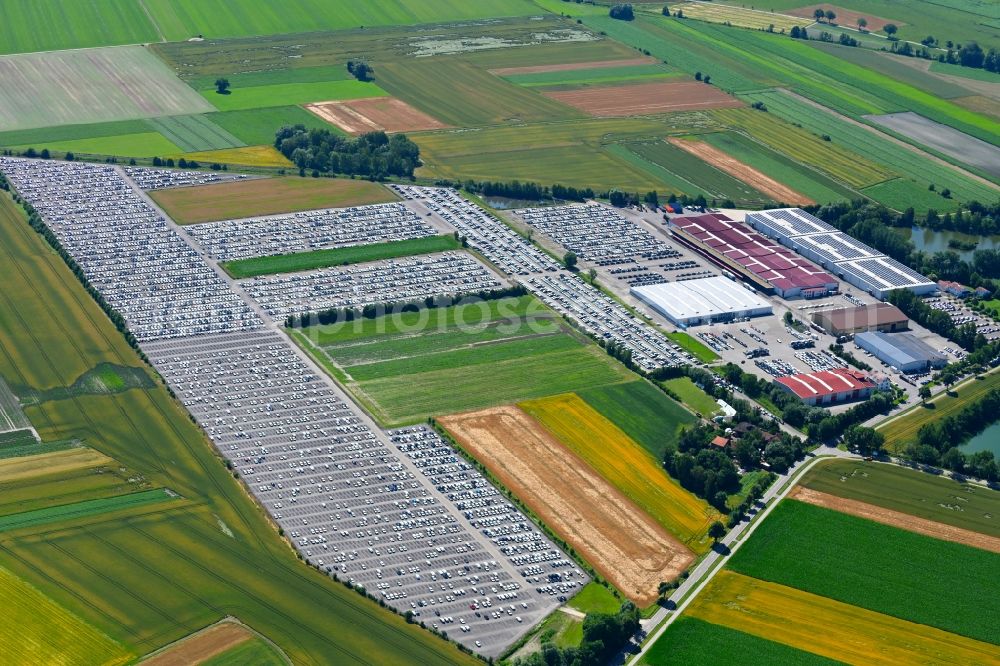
x=715, y=560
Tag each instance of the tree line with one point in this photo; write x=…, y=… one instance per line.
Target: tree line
x=373, y=311
x=938, y=441
x=374, y=155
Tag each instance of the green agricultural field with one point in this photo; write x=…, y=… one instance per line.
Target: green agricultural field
x=683, y=48
x=269, y=78
x=194, y=133
x=53, y=135
x=461, y=94
x=47, y=633
x=903, y=193
x=957, y=20
x=249, y=198
x=49, y=25
x=920, y=494
x=289, y=263
x=143, y=144
x=671, y=182
x=692, y=396
x=16, y=439
x=207, y=60
x=254, y=652
x=463, y=357
x=643, y=412
x=848, y=138
x=495, y=352
x=68, y=486
x=283, y=94
x=693, y=346
x=693, y=641
x=587, y=77
x=595, y=598
x=83, y=509
x=848, y=80
x=897, y=68
x=180, y=19
x=786, y=170
x=701, y=174
x=902, y=429
x=90, y=86
x=256, y=127
x=874, y=566
x=152, y=579
x=965, y=72
x=565, y=152
x=465, y=319
x=829, y=157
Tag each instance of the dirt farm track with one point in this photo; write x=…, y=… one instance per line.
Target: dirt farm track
x=892, y=518
x=615, y=536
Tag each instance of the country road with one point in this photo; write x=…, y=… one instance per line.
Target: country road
x=654, y=626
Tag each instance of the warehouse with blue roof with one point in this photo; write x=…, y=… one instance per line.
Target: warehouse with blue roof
x=902, y=351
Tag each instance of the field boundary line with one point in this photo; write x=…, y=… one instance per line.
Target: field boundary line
x=909, y=146
x=149, y=15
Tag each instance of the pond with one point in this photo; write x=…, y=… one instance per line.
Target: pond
x=988, y=440
x=929, y=240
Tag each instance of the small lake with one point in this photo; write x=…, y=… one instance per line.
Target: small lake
x=988, y=440
x=929, y=240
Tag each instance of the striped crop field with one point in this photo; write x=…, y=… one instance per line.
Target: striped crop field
x=828, y=157
x=626, y=465
x=830, y=628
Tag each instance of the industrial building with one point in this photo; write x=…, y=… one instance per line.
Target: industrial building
x=847, y=258
x=828, y=387
x=752, y=257
x=703, y=301
x=848, y=321
x=902, y=351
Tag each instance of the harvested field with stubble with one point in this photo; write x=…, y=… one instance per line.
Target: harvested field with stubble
x=830, y=628
x=571, y=66
x=744, y=172
x=898, y=519
x=202, y=646
x=614, y=535
x=645, y=98
x=373, y=114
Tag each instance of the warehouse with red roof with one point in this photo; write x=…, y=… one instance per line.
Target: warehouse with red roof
x=829, y=386
x=752, y=256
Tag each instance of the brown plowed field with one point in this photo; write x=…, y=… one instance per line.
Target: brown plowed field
x=570, y=66
x=745, y=172
x=357, y=116
x=609, y=531
x=845, y=17
x=645, y=98
x=897, y=519
x=201, y=646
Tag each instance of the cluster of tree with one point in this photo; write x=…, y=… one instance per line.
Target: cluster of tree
x=604, y=635
x=360, y=70
x=832, y=426
x=222, y=86
x=374, y=155
x=620, y=352
x=792, y=408
x=707, y=472
x=622, y=12
x=972, y=55
x=704, y=78
x=937, y=442
x=340, y=315
x=528, y=191
x=753, y=495
x=798, y=33
x=846, y=356
x=827, y=14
